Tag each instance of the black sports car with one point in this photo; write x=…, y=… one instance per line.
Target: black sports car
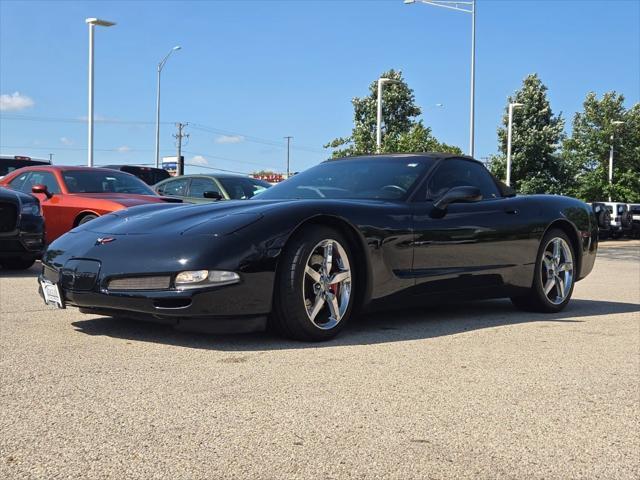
x=346, y=235
x=21, y=230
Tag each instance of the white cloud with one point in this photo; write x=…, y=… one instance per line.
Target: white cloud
x=14, y=102
x=230, y=139
x=124, y=149
x=199, y=160
x=66, y=141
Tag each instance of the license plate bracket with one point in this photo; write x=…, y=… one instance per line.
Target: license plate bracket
x=51, y=293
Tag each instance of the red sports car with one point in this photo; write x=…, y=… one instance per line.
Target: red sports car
x=70, y=195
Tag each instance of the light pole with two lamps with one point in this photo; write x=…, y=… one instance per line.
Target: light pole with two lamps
x=512, y=107
x=92, y=22
x=615, y=123
x=381, y=82
x=160, y=67
x=465, y=7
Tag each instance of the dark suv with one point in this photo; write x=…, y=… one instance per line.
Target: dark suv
x=21, y=229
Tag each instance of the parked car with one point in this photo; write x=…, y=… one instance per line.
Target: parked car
x=634, y=210
x=71, y=196
x=149, y=175
x=604, y=218
x=346, y=235
x=9, y=163
x=21, y=229
x=208, y=188
x=621, y=221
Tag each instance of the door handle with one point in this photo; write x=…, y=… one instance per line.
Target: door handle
x=512, y=211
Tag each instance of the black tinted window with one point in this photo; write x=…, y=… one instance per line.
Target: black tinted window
x=240, y=188
x=387, y=178
x=102, y=181
x=176, y=188
x=462, y=173
x=42, y=178
x=201, y=185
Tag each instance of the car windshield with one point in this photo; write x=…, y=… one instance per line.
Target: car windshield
x=242, y=188
x=100, y=181
x=382, y=178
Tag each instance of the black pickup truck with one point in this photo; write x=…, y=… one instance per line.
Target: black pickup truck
x=21, y=230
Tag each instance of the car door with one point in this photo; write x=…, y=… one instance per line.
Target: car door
x=200, y=185
x=176, y=187
x=472, y=246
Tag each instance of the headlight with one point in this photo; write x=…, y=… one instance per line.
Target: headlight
x=203, y=278
x=30, y=209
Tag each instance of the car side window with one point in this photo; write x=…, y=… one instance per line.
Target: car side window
x=459, y=172
x=18, y=182
x=201, y=185
x=43, y=178
x=175, y=188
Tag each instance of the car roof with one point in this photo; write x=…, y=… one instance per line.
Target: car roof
x=417, y=156
x=213, y=175
x=62, y=168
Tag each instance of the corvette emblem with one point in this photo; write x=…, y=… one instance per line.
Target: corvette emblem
x=103, y=240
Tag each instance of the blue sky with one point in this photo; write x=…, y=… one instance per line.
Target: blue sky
x=251, y=72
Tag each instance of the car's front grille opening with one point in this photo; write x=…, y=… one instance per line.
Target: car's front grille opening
x=8, y=216
x=160, y=282
x=168, y=303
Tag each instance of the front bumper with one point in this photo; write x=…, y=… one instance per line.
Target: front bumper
x=22, y=245
x=229, y=308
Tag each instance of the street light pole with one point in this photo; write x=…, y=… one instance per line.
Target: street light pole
x=160, y=67
x=512, y=107
x=465, y=7
x=92, y=22
x=381, y=82
x=615, y=123
x=288, y=138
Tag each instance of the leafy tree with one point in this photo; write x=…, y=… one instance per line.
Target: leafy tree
x=587, y=150
x=537, y=133
x=401, y=132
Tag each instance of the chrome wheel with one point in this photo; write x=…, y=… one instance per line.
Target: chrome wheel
x=326, y=286
x=557, y=270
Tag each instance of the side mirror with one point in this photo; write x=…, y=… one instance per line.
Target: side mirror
x=41, y=189
x=458, y=195
x=213, y=195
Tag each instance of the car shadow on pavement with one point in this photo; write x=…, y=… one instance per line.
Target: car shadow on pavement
x=395, y=326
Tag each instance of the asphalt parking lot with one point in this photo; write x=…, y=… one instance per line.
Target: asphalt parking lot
x=477, y=390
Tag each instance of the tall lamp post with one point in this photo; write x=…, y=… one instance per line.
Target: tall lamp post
x=160, y=67
x=466, y=7
x=92, y=22
x=512, y=107
x=381, y=82
x=615, y=123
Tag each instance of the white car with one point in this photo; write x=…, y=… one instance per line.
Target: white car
x=620, y=218
x=634, y=209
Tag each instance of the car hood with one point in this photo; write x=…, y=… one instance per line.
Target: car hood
x=124, y=199
x=218, y=218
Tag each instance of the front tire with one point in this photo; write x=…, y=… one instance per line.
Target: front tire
x=554, y=275
x=315, y=285
x=87, y=218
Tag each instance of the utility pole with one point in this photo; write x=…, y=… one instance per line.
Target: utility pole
x=51, y=158
x=179, y=136
x=288, y=155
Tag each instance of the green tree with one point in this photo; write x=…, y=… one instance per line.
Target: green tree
x=401, y=132
x=537, y=133
x=587, y=150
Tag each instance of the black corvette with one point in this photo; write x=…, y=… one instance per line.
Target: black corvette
x=346, y=235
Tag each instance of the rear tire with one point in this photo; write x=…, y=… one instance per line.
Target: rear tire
x=554, y=276
x=315, y=293
x=18, y=263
